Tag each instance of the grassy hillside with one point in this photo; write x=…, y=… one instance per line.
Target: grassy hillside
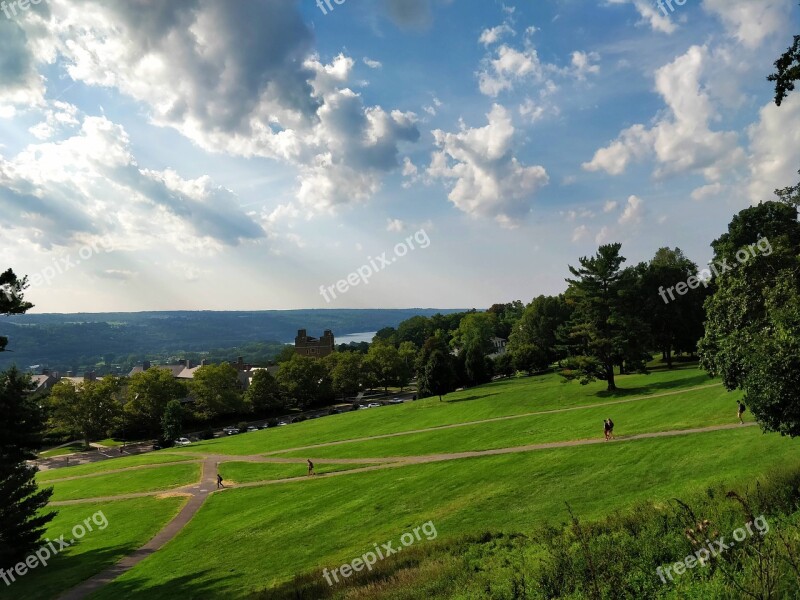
x=261, y=533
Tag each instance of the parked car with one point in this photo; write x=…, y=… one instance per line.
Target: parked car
x=156, y=445
x=396, y=401
x=183, y=442
x=230, y=430
x=252, y=428
x=282, y=423
x=374, y=405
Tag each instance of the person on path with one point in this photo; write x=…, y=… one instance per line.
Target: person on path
x=219, y=481
x=610, y=429
x=310, y=467
x=741, y=410
x=606, y=429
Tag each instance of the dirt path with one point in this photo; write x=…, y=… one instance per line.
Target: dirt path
x=197, y=496
x=492, y=420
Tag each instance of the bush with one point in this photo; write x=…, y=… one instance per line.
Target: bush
x=207, y=434
x=272, y=423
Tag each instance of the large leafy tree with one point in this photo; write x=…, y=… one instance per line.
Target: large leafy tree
x=264, y=394
x=541, y=324
x=605, y=330
x=437, y=376
x=676, y=321
x=346, y=372
x=383, y=364
x=89, y=409
x=172, y=422
x=752, y=335
x=217, y=391
x=305, y=380
x=22, y=503
x=148, y=394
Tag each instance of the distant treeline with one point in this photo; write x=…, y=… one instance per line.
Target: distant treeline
x=109, y=342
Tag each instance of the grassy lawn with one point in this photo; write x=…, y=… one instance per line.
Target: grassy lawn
x=127, y=482
x=126, y=531
x=699, y=408
x=71, y=449
x=275, y=532
x=151, y=458
x=499, y=399
x=246, y=472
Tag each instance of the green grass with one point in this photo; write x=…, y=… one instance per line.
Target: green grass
x=247, y=472
x=499, y=399
x=127, y=482
x=126, y=531
x=699, y=408
x=71, y=449
x=320, y=523
x=152, y=458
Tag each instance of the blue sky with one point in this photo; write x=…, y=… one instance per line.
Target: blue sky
x=202, y=154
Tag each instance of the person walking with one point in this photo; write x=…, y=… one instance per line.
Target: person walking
x=219, y=481
x=606, y=429
x=741, y=410
x=310, y=467
x=610, y=429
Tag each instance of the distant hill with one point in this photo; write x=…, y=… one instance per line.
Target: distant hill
x=86, y=340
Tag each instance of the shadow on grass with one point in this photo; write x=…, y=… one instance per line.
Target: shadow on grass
x=662, y=386
x=63, y=573
x=194, y=586
x=470, y=398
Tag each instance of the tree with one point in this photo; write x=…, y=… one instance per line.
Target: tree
x=540, y=324
x=305, y=380
x=383, y=363
x=529, y=358
x=387, y=334
x=216, y=391
x=416, y=329
x=346, y=372
x=787, y=71
x=505, y=317
x=11, y=298
x=264, y=393
x=602, y=333
x=675, y=324
x=22, y=503
x=172, y=421
x=148, y=394
x=752, y=335
x=286, y=354
x=437, y=378
x=89, y=409
x=408, y=355
x=504, y=364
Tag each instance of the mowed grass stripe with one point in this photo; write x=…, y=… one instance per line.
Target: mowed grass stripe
x=151, y=458
x=131, y=523
x=127, y=482
x=691, y=409
x=499, y=399
x=254, y=538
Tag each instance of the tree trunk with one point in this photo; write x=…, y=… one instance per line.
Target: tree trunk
x=612, y=387
x=669, y=356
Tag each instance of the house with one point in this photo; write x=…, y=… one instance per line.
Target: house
x=45, y=381
x=499, y=345
x=305, y=345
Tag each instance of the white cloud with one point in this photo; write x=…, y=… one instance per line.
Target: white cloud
x=395, y=225
x=495, y=34
x=488, y=180
x=751, y=21
x=774, y=149
x=651, y=15
x=610, y=206
x=634, y=209
x=580, y=233
x=681, y=141
x=372, y=64
x=583, y=64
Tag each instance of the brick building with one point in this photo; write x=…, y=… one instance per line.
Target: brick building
x=305, y=345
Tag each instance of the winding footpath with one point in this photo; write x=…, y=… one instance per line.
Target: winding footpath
x=197, y=493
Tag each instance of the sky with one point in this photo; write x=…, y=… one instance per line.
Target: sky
x=280, y=154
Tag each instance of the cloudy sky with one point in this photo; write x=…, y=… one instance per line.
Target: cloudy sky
x=210, y=154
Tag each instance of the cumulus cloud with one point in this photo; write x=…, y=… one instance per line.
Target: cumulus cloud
x=487, y=179
x=774, y=149
x=237, y=78
x=633, y=212
x=682, y=139
x=89, y=186
x=495, y=34
x=751, y=22
x=650, y=15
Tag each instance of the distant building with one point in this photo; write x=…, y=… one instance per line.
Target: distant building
x=44, y=381
x=499, y=345
x=304, y=345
